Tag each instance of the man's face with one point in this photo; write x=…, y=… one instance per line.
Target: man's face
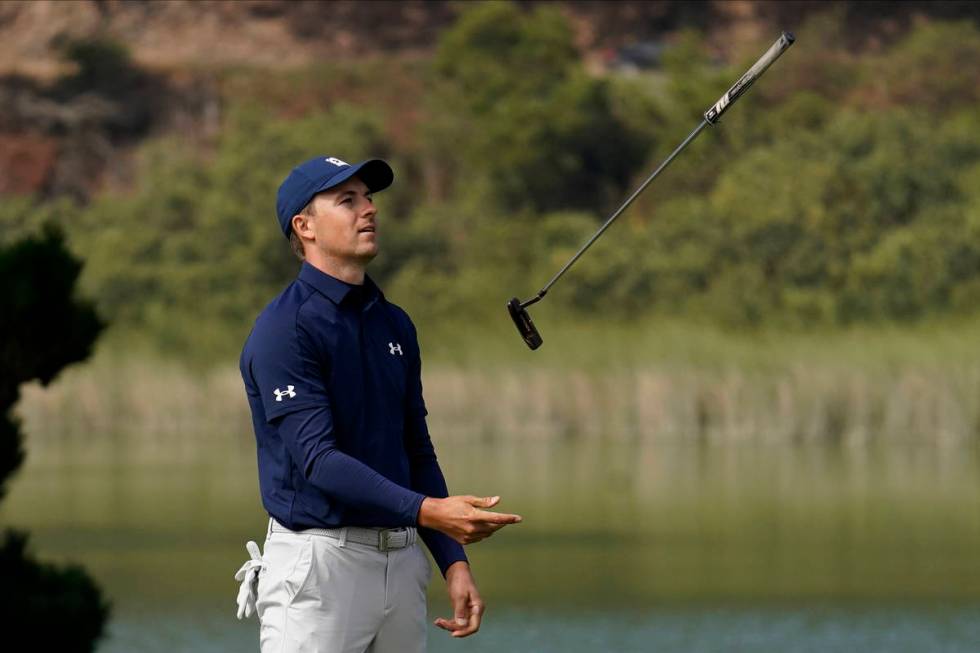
x=345, y=224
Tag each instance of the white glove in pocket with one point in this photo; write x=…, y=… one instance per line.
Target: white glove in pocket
x=249, y=576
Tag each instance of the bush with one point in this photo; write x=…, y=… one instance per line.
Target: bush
x=44, y=328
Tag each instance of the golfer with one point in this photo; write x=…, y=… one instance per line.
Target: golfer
x=347, y=470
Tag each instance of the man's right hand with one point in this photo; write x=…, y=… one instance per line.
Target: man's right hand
x=464, y=518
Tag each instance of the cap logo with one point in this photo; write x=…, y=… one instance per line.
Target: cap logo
x=336, y=161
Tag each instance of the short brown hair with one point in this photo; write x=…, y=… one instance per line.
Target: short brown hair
x=294, y=240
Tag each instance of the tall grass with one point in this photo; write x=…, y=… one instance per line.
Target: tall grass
x=676, y=381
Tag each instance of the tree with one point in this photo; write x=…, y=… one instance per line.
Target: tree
x=521, y=112
x=43, y=329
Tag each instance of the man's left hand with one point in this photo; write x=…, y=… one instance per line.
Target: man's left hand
x=468, y=607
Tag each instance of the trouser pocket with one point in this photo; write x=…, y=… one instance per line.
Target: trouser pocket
x=288, y=566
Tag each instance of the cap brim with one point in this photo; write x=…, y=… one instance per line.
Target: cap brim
x=375, y=173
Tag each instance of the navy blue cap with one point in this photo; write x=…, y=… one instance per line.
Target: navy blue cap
x=319, y=174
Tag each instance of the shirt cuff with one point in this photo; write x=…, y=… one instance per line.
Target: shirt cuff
x=412, y=509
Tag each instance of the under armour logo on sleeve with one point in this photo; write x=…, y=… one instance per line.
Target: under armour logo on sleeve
x=395, y=348
x=288, y=393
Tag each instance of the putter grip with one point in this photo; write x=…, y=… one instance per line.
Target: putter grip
x=712, y=115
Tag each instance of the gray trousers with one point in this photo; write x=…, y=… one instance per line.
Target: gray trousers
x=317, y=594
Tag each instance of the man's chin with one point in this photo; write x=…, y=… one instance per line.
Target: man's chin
x=367, y=256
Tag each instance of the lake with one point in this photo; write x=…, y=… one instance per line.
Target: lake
x=627, y=544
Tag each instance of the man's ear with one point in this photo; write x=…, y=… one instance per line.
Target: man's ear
x=302, y=226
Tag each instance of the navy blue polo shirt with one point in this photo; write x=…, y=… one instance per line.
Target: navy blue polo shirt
x=333, y=377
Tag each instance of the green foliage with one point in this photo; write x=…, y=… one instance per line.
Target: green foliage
x=840, y=214
x=526, y=115
x=44, y=326
x=43, y=329
x=842, y=189
x=497, y=50
x=23, y=217
x=936, y=68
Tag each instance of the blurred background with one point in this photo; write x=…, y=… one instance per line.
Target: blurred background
x=754, y=422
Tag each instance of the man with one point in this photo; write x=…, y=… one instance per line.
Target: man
x=346, y=467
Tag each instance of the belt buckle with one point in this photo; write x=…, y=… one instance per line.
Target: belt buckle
x=384, y=539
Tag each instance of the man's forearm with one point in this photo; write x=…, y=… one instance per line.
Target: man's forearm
x=343, y=477
x=354, y=484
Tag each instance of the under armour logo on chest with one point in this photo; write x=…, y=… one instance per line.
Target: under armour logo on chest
x=288, y=393
x=395, y=348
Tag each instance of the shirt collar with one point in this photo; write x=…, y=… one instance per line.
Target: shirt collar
x=333, y=288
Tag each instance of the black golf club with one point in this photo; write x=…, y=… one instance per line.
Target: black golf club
x=518, y=309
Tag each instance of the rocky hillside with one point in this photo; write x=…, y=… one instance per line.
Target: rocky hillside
x=72, y=102
x=178, y=33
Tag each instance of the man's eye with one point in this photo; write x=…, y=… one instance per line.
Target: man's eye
x=346, y=200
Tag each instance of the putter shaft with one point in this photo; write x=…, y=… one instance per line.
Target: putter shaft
x=618, y=212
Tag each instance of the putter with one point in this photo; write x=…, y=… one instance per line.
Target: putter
x=518, y=309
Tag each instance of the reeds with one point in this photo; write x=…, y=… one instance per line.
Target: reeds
x=716, y=391
x=797, y=405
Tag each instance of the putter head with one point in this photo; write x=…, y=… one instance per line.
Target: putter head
x=524, y=324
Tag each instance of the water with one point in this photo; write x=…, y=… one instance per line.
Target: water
x=626, y=546
x=814, y=629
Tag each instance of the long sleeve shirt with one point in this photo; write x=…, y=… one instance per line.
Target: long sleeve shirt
x=332, y=373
